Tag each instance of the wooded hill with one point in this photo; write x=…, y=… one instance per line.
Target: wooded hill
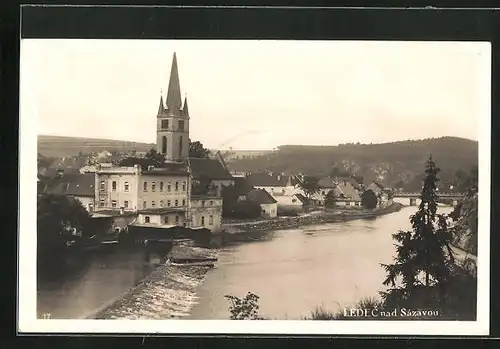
x=397, y=164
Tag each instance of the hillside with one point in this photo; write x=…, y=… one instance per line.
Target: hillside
x=57, y=146
x=398, y=164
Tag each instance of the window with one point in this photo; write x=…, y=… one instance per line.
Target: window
x=164, y=145
x=348, y=203
x=176, y=203
x=147, y=219
x=162, y=204
x=103, y=185
x=144, y=204
x=181, y=125
x=113, y=203
x=125, y=204
x=168, y=203
x=113, y=185
x=168, y=187
x=203, y=203
x=126, y=186
x=183, y=202
x=166, y=219
x=180, y=146
x=145, y=186
x=176, y=186
x=164, y=124
x=91, y=207
x=101, y=203
x=176, y=219
x=153, y=204
x=294, y=200
x=211, y=202
x=203, y=221
x=183, y=186
x=161, y=186
x=153, y=186
x=211, y=220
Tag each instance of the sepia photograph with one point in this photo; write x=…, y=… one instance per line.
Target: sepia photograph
x=204, y=181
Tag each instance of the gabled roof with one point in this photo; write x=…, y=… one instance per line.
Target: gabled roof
x=267, y=179
x=347, y=191
x=174, y=102
x=71, y=184
x=242, y=186
x=302, y=198
x=261, y=197
x=208, y=169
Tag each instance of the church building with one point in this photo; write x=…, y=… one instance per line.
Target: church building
x=169, y=195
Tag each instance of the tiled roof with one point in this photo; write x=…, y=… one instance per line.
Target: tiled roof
x=326, y=182
x=348, y=191
x=302, y=198
x=71, y=184
x=260, y=196
x=208, y=169
x=242, y=186
x=266, y=179
x=167, y=168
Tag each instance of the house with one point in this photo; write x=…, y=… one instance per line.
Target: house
x=209, y=174
x=291, y=203
x=275, y=184
x=75, y=185
x=206, y=212
x=347, y=194
x=266, y=202
x=380, y=191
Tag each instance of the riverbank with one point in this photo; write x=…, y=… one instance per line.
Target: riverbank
x=254, y=230
x=168, y=292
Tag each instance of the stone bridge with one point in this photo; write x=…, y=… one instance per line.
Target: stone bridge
x=413, y=199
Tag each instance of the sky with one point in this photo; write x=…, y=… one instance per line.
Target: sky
x=256, y=94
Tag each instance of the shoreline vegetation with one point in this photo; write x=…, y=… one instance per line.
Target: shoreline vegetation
x=425, y=282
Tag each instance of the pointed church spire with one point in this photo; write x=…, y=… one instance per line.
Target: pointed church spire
x=185, y=109
x=174, y=101
x=161, y=108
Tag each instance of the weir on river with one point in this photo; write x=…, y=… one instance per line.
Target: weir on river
x=292, y=270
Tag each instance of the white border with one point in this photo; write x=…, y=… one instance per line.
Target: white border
x=27, y=252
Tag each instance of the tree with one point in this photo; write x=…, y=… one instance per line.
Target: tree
x=232, y=208
x=196, y=150
x=330, y=199
x=244, y=308
x=369, y=199
x=423, y=254
x=309, y=185
x=152, y=158
x=61, y=222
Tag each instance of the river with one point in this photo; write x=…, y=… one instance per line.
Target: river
x=293, y=271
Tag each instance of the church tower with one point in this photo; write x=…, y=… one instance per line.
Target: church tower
x=172, y=127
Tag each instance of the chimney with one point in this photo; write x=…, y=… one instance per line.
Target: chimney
x=122, y=210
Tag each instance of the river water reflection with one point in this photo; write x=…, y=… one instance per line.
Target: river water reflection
x=333, y=265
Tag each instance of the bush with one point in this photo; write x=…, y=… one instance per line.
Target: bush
x=244, y=308
x=369, y=199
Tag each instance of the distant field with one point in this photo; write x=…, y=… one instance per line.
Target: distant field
x=58, y=146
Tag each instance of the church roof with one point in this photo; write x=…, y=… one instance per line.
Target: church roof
x=208, y=169
x=185, y=109
x=161, y=107
x=174, y=102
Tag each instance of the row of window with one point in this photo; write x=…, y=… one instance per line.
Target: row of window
x=166, y=123
x=126, y=186
x=162, y=203
x=169, y=188
x=166, y=220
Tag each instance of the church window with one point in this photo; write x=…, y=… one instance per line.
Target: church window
x=203, y=221
x=176, y=186
x=113, y=185
x=145, y=186
x=180, y=145
x=164, y=124
x=164, y=144
x=147, y=219
x=169, y=203
x=126, y=186
x=181, y=125
x=176, y=203
x=161, y=186
x=210, y=220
